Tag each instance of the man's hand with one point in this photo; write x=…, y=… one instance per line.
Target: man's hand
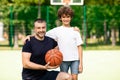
x=47, y=66
x=27, y=38
x=76, y=29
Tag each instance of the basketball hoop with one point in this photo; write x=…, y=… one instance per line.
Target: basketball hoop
x=66, y=2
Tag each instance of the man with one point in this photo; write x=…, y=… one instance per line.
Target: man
x=33, y=56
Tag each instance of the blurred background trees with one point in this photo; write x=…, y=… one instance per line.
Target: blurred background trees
x=101, y=16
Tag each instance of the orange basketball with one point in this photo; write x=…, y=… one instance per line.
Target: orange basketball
x=54, y=56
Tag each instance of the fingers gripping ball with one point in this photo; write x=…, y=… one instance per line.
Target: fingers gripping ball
x=54, y=56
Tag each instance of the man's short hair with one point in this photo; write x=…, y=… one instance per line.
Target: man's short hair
x=39, y=20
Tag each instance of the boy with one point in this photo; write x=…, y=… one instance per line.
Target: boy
x=69, y=43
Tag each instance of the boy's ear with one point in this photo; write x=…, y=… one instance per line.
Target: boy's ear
x=60, y=19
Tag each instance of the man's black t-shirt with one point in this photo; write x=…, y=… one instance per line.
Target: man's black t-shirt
x=37, y=49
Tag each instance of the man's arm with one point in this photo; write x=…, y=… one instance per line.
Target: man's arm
x=31, y=65
x=81, y=58
x=28, y=38
x=28, y=64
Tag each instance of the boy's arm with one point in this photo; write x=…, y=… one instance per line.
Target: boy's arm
x=81, y=58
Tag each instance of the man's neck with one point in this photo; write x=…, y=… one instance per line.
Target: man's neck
x=39, y=38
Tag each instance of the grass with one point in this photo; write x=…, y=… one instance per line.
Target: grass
x=102, y=47
x=88, y=47
x=94, y=45
x=99, y=47
x=97, y=65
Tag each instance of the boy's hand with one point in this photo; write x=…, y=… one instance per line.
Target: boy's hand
x=80, y=68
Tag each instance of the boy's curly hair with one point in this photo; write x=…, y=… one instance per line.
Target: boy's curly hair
x=65, y=10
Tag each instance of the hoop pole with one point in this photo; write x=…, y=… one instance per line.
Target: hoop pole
x=39, y=11
x=84, y=8
x=11, y=27
x=47, y=18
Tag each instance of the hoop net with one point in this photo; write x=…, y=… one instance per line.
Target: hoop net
x=66, y=2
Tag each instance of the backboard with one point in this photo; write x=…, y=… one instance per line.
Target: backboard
x=66, y=2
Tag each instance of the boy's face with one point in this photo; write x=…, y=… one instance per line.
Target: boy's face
x=66, y=19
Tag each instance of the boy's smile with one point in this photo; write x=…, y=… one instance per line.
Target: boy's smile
x=66, y=19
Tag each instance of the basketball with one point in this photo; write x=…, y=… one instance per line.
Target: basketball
x=54, y=56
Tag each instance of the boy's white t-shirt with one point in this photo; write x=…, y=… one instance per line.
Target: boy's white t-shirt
x=68, y=39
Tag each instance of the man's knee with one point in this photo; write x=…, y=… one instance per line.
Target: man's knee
x=64, y=76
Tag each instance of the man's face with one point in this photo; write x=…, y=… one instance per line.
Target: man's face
x=40, y=29
x=65, y=19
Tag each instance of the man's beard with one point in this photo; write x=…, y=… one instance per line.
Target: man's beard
x=40, y=35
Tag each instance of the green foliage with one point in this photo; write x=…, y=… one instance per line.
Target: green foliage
x=102, y=2
x=97, y=11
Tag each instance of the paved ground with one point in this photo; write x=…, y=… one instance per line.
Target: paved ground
x=98, y=65
x=101, y=65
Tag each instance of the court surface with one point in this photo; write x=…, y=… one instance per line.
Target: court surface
x=98, y=65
